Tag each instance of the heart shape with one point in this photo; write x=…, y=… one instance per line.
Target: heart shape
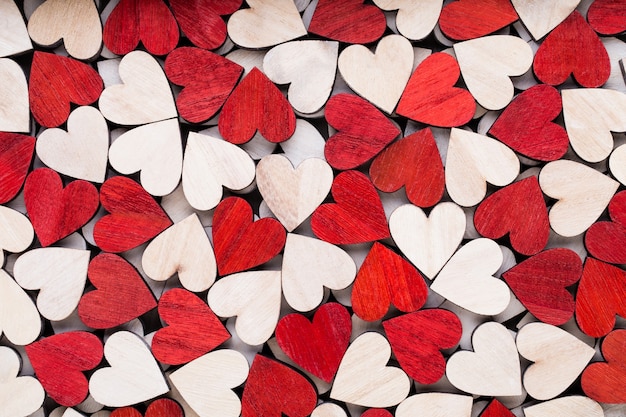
x=604, y=240
x=14, y=37
x=470, y=19
x=617, y=162
x=14, y=115
x=348, y=21
x=573, y=406
x=158, y=408
x=496, y=409
x=604, y=381
x=16, y=153
x=607, y=17
x=19, y=395
x=21, y=323
x=415, y=20
x=541, y=16
x=374, y=412
x=435, y=404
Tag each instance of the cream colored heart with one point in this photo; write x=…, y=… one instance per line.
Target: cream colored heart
x=415, y=19
x=474, y=160
x=493, y=369
x=306, y=142
x=20, y=396
x=81, y=151
x=435, y=404
x=14, y=37
x=428, y=242
x=363, y=377
x=617, y=163
x=17, y=232
x=14, y=107
x=19, y=319
x=487, y=63
x=572, y=406
x=541, y=16
x=328, y=410
x=379, y=77
x=582, y=193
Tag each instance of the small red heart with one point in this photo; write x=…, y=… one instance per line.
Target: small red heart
x=348, y=21
x=617, y=208
x=317, y=346
x=572, y=48
x=526, y=124
x=496, y=409
x=135, y=217
x=386, y=278
x=519, y=210
x=55, y=82
x=607, y=17
x=201, y=20
x=607, y=240
x=16, y=153
x=241, y=243
x=256, y=104
x=606, y=381
x=356, y=217
x=469, y=19
x=274, y=390
x=163, y=407
x=601, y=295
x=54, y=211
x=376, y=412
x=207, y=78
x=193, y=329
x=120, y=296
x=355, y=142
x=148, y=21
x=417, y=339
x=540, y=284
x=59, y=361
x=430, y=96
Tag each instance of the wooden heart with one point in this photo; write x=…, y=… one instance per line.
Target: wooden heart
x=348, y=21
x=20, y=322
x=19, y=395
x=157, y=408
x=496, y=409
x=541, y=16
x=14, y=114
x=16, y=154
x=617, y=164
x=604, y=381
x=14, y=37
x=469, y=19
x=18, y=231
x=603, y=239
x=415, y=20
x=607, y=17
x=572, y=406
x=435, y=404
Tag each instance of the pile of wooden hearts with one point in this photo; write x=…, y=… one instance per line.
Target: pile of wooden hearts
x=330, y=208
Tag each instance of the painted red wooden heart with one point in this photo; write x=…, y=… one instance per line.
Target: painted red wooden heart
x=469, y=19
x=135, y=217
x=163, y=407
x=607, y=240
x=376, y=412
x=356, y=217
x=348, y=21
x=201, y=20
x=16, y=153
x=606, y=381
x=55, y=82
x=607, y=17
x=59, y=362
x=316, y=346
x=430, y=96
x=540, y=284
x=617, y=208
x=496, y=409
x=54, y=211
x=386, y=278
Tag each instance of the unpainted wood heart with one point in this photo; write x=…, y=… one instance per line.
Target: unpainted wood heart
x=19, y=395
x=541, y=16
x=435, y=404
x=617, y=164
x=14, y=107
x=19, y=319
x=571, y=406
x=14, y=37
x=415, y=19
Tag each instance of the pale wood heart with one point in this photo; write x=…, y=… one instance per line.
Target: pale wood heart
x=184, y=248
x=19, y=396
x=558, y=356
x=572, y=406
x=487, y=63
x=19, y=319
x=293, y=194
x=428, y=242
x=467, y=279
x=14, y=37
x=145, y=96
x=154, y=149
x=217, y=373
x=435, y=404
x=379, y=77
x=617, y=163
x=134, y=375
x=17, y=232
x=254, y=297
x=306, y=142
x=81, y=151
x=265, y=23
x=363, y=377
x=415, y=19
x=582, y=193
x=474, y=160
x=541, y=16
x=211, y=163
x=308, y=67
x=308, y=266
x=70, y=412
x=77, y=22
x=328, y=410
x=14, y=107
x=492, y=369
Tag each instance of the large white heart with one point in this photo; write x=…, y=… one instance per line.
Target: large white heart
x=19, y=396
x=415, y=19
x=572, y=406
x=541, y=16
x=436, y=404
x=14, y=37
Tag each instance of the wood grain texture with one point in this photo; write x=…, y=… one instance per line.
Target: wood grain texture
x=14, y=37
x=348, y=21
x=435, y=404
x=376, y=412
x=16, y=154
x=570, y=406
x=14, y=114
x=617, y=163
x=541, y=16
x=496, y=409
x=19, y=395
x=163, y=407
x=604, y=381
x=18, y=231
x=202, y=22
x=414, y=20
x=20, y=323
x=469, y=19
x=605, y=240
x=607, y=17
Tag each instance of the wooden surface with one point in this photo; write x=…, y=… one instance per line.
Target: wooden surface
x=435, y=404
x=414, y=20
x=14, y=37
x=347, y=21
x=540, y=17
x=14, y=115
x=19, y=395
x=16, y=154
x=20, y=323
x=467, y=19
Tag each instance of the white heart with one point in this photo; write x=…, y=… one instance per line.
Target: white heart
x=70, y=412
x=572, y=406
x=363, y=377
x=617, y=163
x=428, y=242
x=435, y=404
x=134, y=375
x=19, y=319
x=14, y=107
x=415, y=19
x=19, y=396
x=16, y=232
x=493, y=368
x=81, y=152
x=328, y=410
x=541, y=16
x=14, y=37
x=217, y=373
x=306, y=142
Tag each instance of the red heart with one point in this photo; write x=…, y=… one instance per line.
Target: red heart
x=159, y=408
x=193, y=328
x=539, y=282
x=59, y=361
x=413, y=162
x=135, y=217
x=496, y=409
x=274, y=390
x=54, y=211
x=348, y=21
x=469, y=19
x=376, y=412
x=316, y=346
x=617, y=208
x=606, y=381
x=519, y=210
x=207, y=78
x=256, y=104
x=239, y=242
x=417, y=338
x=358, y=215
x=430, y=96
x=120, y=296
x=601, y=295
x=607, y=17
x=16, y=152
x=607, y=240
x=526, y=124
x=355, y=142
x=55, y=82
x=148, y=21
x=201, y=20
x=386, y=278
x=572, y=48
